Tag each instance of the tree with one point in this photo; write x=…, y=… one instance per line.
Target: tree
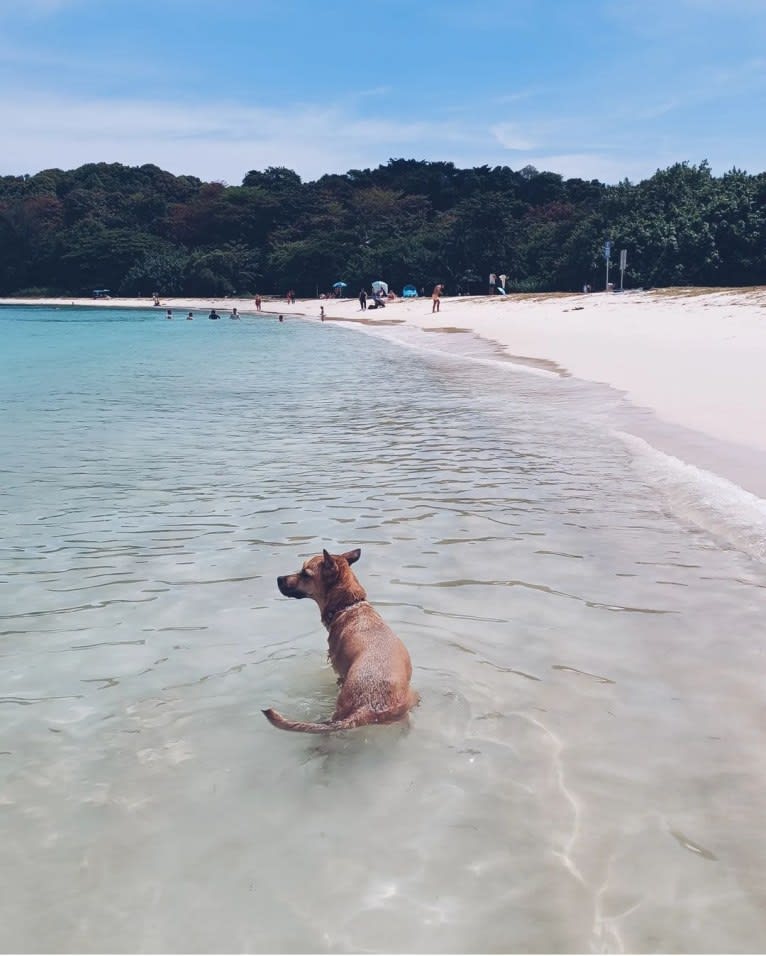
x=162, y=271
x=230, y=270
x=127, y=228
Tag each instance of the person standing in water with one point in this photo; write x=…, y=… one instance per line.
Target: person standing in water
x=234, y=313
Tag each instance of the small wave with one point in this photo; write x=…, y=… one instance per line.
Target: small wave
x=480, y=351
x=715, y=504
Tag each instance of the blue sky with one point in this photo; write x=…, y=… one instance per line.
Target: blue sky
x=602, y=89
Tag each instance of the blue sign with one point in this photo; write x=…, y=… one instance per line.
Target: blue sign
x=607, y=249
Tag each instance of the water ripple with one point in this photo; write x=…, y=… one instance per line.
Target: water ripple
x=570, y=637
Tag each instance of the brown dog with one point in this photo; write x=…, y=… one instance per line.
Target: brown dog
x=372, y=663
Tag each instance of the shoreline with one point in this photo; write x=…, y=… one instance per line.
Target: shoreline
x=687, y=363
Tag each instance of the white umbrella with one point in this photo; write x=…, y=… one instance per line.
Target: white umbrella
x=379, y=286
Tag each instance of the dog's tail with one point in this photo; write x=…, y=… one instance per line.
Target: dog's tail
x=361, y=717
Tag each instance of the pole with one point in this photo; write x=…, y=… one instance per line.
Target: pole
x=606, y=288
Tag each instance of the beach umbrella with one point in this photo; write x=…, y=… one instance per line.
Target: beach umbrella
x=339, y=285
x=409, y=292
x=379, y=286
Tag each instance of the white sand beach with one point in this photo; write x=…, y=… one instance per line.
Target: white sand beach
x=695, y=358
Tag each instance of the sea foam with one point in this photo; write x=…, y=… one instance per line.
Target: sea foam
x=719, y=506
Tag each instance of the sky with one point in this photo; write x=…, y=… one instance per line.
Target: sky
x=600, y=89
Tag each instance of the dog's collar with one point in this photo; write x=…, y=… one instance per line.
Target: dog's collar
x=329, y=621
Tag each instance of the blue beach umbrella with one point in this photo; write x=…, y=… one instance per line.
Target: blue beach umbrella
x=339, y=285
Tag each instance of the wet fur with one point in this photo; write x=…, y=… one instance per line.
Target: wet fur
x=372, y=664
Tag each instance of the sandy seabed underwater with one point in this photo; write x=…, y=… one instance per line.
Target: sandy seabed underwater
x=585, y=771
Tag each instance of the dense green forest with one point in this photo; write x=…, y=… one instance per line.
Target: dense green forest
x=136, y=230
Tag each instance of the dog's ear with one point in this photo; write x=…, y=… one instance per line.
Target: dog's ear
x=352, y=556
x=329, y=566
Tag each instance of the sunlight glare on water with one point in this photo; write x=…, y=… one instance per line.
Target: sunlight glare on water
x=585, y=771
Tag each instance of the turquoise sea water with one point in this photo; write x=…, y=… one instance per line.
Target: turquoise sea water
x=585, y=771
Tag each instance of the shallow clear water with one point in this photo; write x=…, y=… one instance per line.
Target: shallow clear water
x=585, y=771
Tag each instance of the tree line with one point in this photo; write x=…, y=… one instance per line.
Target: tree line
x=137, y=230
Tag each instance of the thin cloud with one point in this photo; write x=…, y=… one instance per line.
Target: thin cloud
x=375, y=91
x=34, y=8
x=37, y=65
x=513, y=97
x=510, y=136
x=740, y=75
x=213, y=141
x=659, y=109
x=223, y=140
x=607, y=169
x=741, y=7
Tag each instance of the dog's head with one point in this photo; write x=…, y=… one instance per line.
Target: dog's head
x=320, y=575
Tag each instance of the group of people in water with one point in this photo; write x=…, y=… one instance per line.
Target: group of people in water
x=215, y=315
x=376, y=300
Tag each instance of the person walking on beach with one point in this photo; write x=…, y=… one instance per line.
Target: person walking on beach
x=321, y=312
x=258, y=303
x=363, y=300
x=436, y=297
